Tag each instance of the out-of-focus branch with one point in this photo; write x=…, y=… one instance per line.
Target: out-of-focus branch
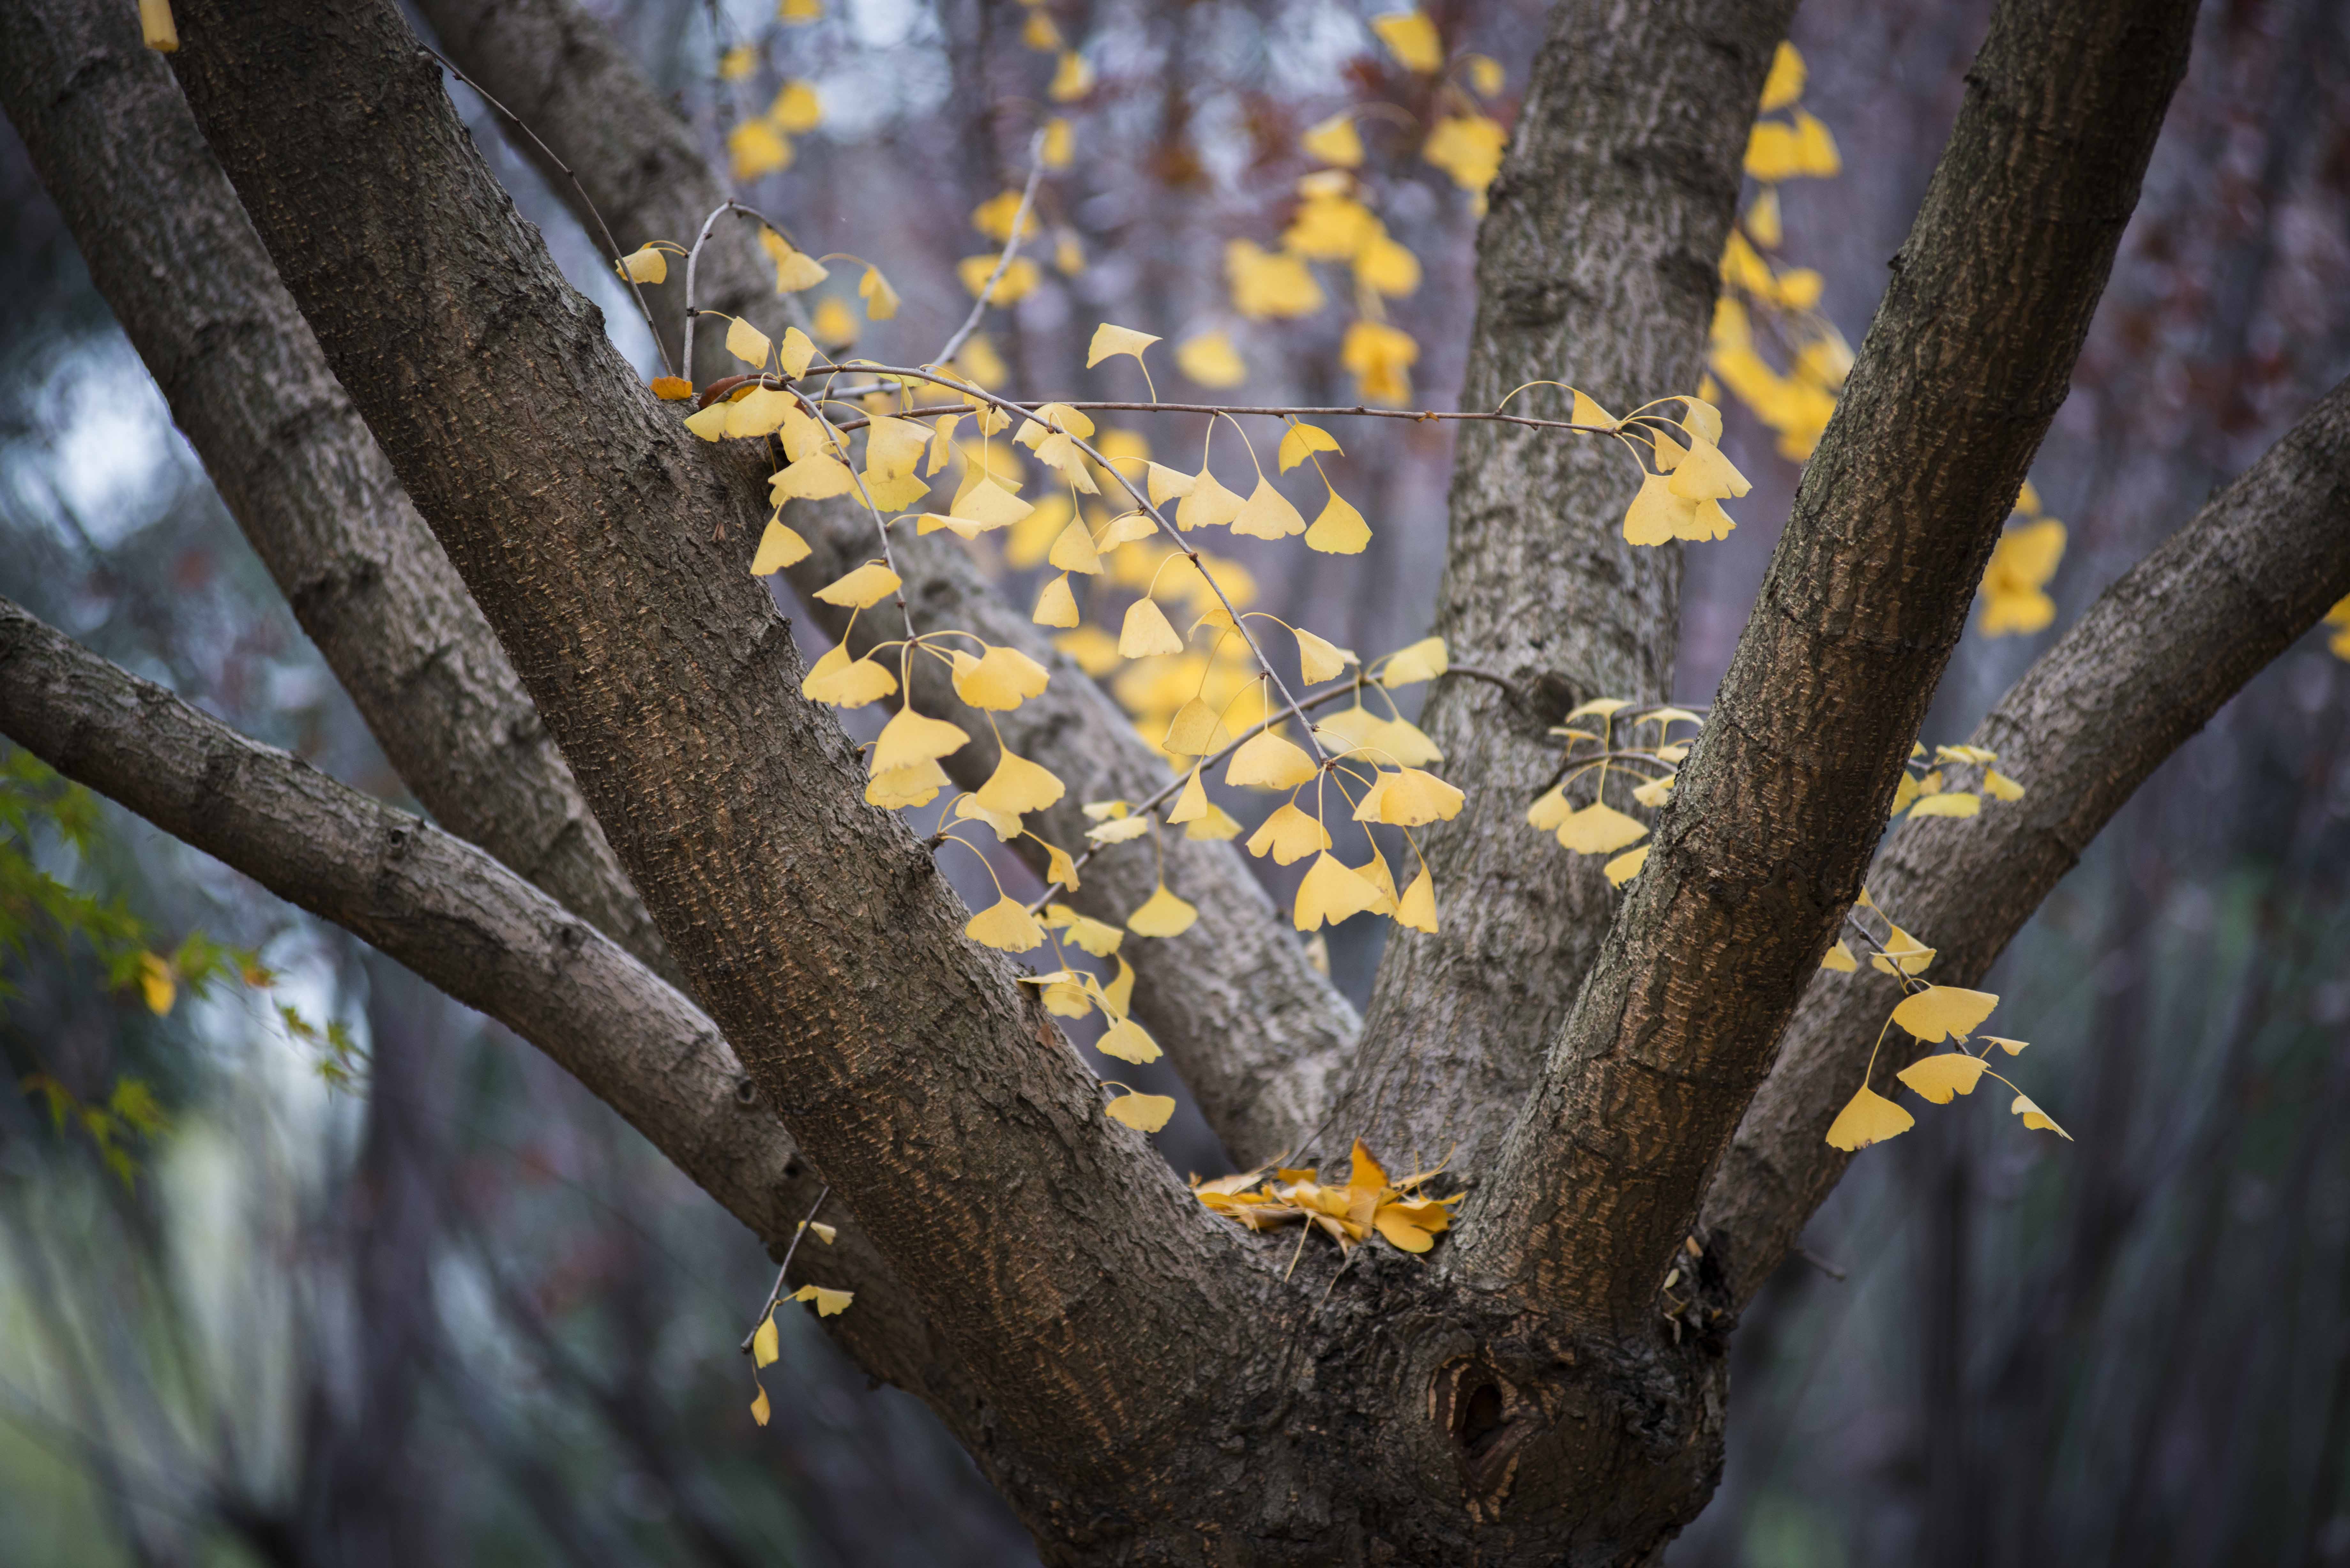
x=2159, y=653
x=462, y=921
x=1780, y=807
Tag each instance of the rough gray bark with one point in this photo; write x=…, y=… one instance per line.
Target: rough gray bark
x=1085, y=1291
x=468, y=925
x=1598, y=266
x=1777, y=812
x=1258, y=1035
x=168, y=245
x=2159, y=653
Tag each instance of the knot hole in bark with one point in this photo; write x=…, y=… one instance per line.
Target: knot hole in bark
x=1487, y=1419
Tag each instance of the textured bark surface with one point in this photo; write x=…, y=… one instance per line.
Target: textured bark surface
x=1085, y=1291
x=169, y=246
x=470, y=927
x=1257, y=1034
x=1779, y=809
x=2159, y=653
x=1597, y=266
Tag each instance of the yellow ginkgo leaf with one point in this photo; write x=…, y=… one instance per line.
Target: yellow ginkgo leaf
x=1060, y=144
x=1599, y=829
x=1320, y=659
x=1168, y=483
x=779, y=546
x=1840, y=959
x=759, y=1410
x=818, y=476
x=796, y=108
x=1001, y=678
x=1125, y=530
x=1903, y=954
x=1704, y=473
x=1006, y=926
x=1162, y=915
x=764, y=1348
x=1218, y=825
x=898, y=788
x=794, y=269
x=863, y=588
x=1111, y=340
x=1143, y=1113
x=2000, y=786
x=881, y=299
x=1207, y=504
x=1072, y=80
x=910, y=738
x=828, y=1303
x=1146, y=632
x=988, y=505
x=753, y=149
x=1868, y=1117
x=757, y=412
x=1095, y=936
x=1211, y=360
x=1267, y=514
x=1392, y=1223
x=1626, y=866
x=1302, y=440
x=747, y=343
x=1334, y=141
x=1193, y=730
x=1128, y=1042
x=162, y=33
x=1941, y=1011
x=844, y=682
x=1422, y=661
x=646, y=263
x=1055, y=606
x=1417, y=908
x=1059, y=867
x=2012, y=1047
x=1005, y=823
x=1265, y=761
x=1784, y=85
x=1333, y=891
x=1289, y=836
x=1939, y=1078
x=1485, y=75
x=1192, y=803
x=1339, y=530
x=157, y=984
x=1550, y=810
x=1411, y=38
x=1657, y=514
x=671, y=389
x=1118, y=830
x=738, y=62
x=1072, y=550
x=1469, y=148
x=1951, y=803
x=1018, y=786
x=709, y=423
x=2036, y=1119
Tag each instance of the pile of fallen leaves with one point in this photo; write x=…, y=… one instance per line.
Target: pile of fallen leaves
x=1368, y=1202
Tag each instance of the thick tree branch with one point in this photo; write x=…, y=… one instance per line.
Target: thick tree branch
x=466, y=924
x=1258, y=1035
x=1596, y=266
x=1781, y=807
x=2159, y=653
x=1055, y=1253
x=169, y=246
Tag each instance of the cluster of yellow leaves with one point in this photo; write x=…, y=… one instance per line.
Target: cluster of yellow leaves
x=1932, y=1013
x=1599, y=828
x=762, y=145
x=2015, y=582
x=1369, y=1202
x=1795, y=404
x=1933, y=790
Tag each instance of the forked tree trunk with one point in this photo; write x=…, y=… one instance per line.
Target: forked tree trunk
x=1146, y=1382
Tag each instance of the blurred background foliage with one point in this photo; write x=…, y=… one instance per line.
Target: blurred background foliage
x=452, y=1309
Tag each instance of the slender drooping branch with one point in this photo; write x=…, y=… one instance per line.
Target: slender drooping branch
x=2149, y=663
x=465, y=923
x=1258, y=1035
x=1596, y=266
x=1780, y=807
x=938, y=1100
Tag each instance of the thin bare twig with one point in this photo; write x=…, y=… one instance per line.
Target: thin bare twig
x=776, y=1296
x=1010, y=248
